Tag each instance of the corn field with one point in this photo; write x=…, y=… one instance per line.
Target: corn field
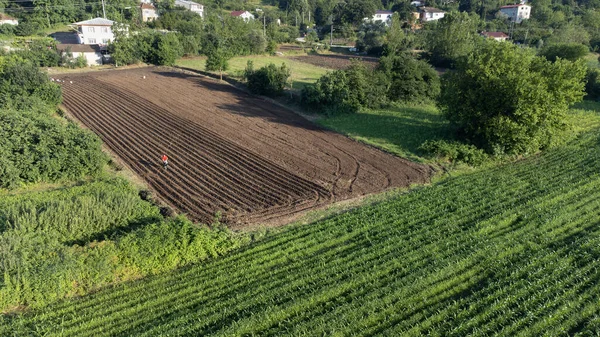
x=509, y=251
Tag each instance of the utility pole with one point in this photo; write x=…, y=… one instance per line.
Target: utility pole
x=264, y=24
x=331, y=35
x=103, y=10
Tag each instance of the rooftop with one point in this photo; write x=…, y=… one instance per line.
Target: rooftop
x=513, y=6
x=494, y=34
x=80, y=48
x=237, y=13
x=6, y=17
x=95, y=22
x=147, y=6
x=431, y=10
x=187, y=2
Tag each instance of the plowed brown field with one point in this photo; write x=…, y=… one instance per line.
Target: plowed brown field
x=229, y=152
x=336, y=61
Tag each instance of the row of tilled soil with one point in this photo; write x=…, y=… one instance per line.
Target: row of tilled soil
x=207, y=174
x=331, y=61
x=230, y=152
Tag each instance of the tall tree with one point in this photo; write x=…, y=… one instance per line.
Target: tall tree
x=451, y=38
x=507, y=100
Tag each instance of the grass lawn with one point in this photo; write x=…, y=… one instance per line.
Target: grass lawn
x=302, y=73
x=402, y=129
x=399, y=130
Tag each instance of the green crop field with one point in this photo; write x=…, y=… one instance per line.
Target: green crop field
x=511, y=250
x=302, y=73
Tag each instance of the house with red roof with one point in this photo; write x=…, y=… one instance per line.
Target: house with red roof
x=8, y=20
x=148, y=12
x=498, y=36
x=247, y=16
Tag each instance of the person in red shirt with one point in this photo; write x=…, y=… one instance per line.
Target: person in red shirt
x=165, y=160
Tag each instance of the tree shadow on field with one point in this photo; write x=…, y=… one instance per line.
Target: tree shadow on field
x=112, y=233
x=403, y=130
x=245, y=104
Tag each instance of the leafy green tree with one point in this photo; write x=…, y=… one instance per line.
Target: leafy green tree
x=355, y=11
x=23, y=84
x=409, y=79
x=165, y=49
x=567, y=51
x=505, y=99
x=371, y=37
x=396, y=40
x=218, y=60
x=269, y=80
x=451, y=38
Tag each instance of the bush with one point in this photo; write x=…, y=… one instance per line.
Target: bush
x=69, y=241
x=7, y=29
x=570, y=51
x=454, y=152
x=269, y=80
x=22, y=83
x=507, y=100
x=345, y=91
x=592, y=84
x=39, y=148
x=27, y=28
x=409, y=79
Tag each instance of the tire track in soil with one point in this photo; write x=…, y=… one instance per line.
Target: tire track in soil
x=231, y=152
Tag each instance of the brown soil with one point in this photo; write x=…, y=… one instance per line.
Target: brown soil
x=229, y=152
x=337, y=61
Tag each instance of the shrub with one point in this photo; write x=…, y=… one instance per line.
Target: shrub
x=22, y=83
x=592, y=84
x=269, y=80
x=409, y=79
x=454, y=152
x=507, y=100
x=566, y=51
x=346, y=91
x=39, y=148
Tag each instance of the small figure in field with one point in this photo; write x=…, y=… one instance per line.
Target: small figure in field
x=165, y=161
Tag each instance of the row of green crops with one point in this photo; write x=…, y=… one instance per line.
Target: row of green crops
x=72, y=240
x=512, y=250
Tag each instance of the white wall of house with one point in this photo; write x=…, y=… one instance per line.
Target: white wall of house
x=431, y=16
x=149, y=14
x=516, y=13
x=95, y=31
x=191, y=6
x=382, y=17
x=13, y=22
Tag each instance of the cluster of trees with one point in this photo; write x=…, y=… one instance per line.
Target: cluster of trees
x=34, y=145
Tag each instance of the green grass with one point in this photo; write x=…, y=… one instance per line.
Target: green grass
x=302, y=73
x=400, y=130
x=511, y=250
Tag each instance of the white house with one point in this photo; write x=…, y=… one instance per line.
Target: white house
x=430, y=14
x=382, y=16
x=148, y=12
x=191, y=6
x=247, y=16
x=498, y=36
x=95, y=31
x=8, y=20
x=516, y=13
x=92, y=53
x=417, y=3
